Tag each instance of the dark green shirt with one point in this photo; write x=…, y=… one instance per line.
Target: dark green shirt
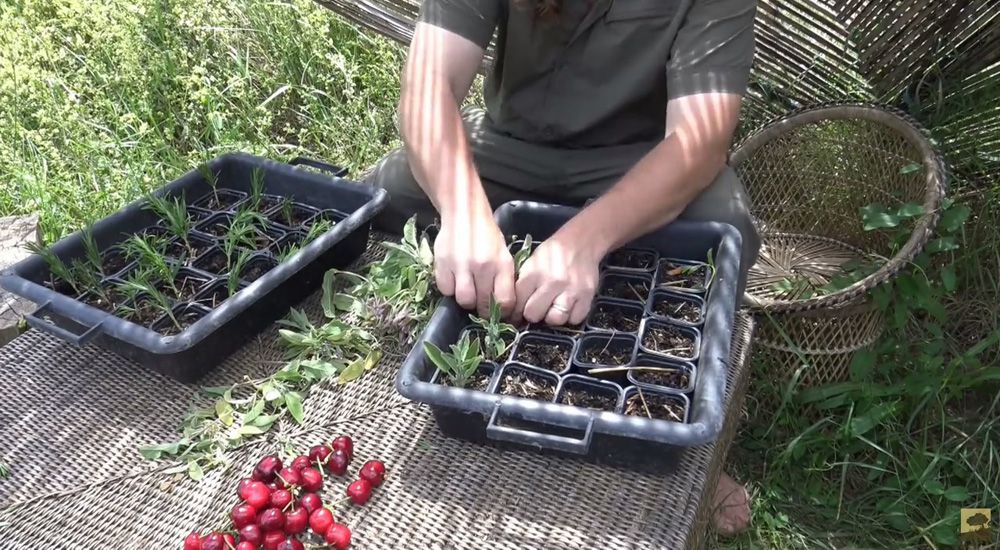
x=601, y=72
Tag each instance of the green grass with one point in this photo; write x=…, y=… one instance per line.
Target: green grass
x=104, y=100
x=101, y=101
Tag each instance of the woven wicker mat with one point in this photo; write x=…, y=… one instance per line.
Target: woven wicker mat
x=72, y=421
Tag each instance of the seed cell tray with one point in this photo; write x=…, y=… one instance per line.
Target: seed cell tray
x=664, y=311
x=225, y=290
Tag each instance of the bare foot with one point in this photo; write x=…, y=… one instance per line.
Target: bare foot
x=731, y=504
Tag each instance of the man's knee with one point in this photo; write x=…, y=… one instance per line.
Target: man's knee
x=406, y=198
x=727, y=201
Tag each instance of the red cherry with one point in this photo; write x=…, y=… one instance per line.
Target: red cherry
x=280, y=498
x=344, y=443
x=311, y=480
x=339, y=536
x=229, y=540
x=246, y=545
x=311, y=502
x=301, y=462
x=213, y=542
x=242, y=487
x=291, y=544
x=273, y=539
x=267, y=468
x=337, y=463
x=271, y=520
x=192, y=541
x=252, y=534
x=258, y=495
x=320, y=453
x=274, y=485
x=243, y=515
x=320, y=520
x=373, y=471
x=288, y=478
x=296, y=521
x=360, y=491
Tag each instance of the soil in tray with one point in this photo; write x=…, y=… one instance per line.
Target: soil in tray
x=612, y=354
x=690, y=277
x=631, y=259
x=263, y=240
x=113, y=261
x=213, y=262
x=256, y=269
x=185, y=317
x=219, y=201
x=676, y=308
x=625, y=288
x=668, y=340
x=678, y=379
x=144, y=313
x=218, y=229
x=268, y=202
x=553, y=356
x=478, y=381
x=109, y=302
x=527, y=384
x=613, y=317
x=187, y=286
x=293, y=217
x=659, y=407
x=218, y=295
x=581, y=397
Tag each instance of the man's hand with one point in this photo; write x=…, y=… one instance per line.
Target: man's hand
x=472, y=262
x=557, y=282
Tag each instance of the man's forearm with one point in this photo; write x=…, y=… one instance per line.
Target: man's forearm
x=439, y=154
x=653, y=193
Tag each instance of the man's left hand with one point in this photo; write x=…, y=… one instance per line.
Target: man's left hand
x=557, y=282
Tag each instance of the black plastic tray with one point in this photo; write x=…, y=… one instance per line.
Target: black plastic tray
x=189, y=354
x=608, y=437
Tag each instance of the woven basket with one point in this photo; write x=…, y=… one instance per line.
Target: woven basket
x=815, y=346
x=809, y=175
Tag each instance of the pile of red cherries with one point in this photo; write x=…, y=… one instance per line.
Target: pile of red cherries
x=279, y=505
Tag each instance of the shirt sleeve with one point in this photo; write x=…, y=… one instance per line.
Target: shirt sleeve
x=474, y=20
x=714, y=49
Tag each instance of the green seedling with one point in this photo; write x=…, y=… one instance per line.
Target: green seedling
x=317, y=229
x=461, y=363
x=522, y=254
x=212, y=179
x=148, y=251
x=174, y=212
x=256, y=188
x=497, y=335
x=236, y=271
x=243, y=230
x=140, y=284
x=91, y=250
x=287, y=209
x=57, y=267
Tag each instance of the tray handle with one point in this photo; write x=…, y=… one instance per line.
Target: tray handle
x=37, y=320
x=334, y=170
x=523, y=436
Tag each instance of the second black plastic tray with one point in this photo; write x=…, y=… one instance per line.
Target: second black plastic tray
x=270, y=283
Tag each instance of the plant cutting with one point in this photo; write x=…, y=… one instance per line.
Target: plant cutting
x=497, y=335
x=682, y=276
x=460, y=366
x=175, y=216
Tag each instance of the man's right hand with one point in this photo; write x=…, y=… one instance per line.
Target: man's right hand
x=472, y=262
